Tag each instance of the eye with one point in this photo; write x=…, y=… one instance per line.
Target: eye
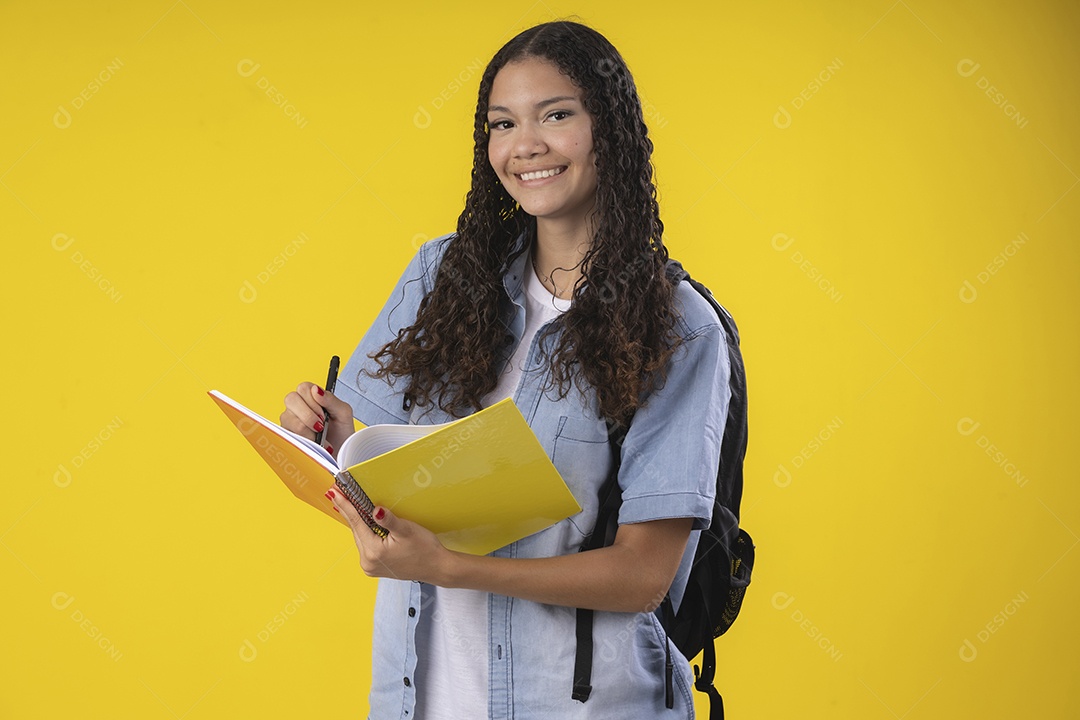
x=500, y=125
x=560, y=114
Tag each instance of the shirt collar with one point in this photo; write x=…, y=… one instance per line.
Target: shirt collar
x=514, y=277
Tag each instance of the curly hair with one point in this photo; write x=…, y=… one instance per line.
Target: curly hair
x=619, y=333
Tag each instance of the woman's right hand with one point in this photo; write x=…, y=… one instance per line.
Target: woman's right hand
x=303, y=415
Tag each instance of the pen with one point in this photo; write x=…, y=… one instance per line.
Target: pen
x=331, y=382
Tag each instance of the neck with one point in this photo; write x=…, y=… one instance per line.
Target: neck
x=558, y=254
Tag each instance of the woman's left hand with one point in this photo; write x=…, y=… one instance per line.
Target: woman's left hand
x=409, y=551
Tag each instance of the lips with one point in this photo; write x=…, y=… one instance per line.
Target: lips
x=541, y=174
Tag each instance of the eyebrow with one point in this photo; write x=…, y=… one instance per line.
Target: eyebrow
x=539, y=105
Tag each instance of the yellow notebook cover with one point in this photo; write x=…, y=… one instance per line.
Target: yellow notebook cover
x=479, y=483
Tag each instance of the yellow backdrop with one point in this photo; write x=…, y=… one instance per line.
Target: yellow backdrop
x=197, y=196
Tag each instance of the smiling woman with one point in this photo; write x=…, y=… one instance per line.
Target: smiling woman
x=542, y=150
x=552, y=291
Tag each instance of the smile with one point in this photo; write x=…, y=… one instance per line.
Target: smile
x=539, y=174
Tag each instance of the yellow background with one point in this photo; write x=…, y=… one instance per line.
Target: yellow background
x=836, y=172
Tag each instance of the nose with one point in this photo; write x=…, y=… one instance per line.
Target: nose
x=528, y=140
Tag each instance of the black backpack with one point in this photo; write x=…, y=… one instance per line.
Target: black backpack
x=725, y=553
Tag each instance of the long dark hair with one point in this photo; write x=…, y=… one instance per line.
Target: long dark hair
x=618, y=334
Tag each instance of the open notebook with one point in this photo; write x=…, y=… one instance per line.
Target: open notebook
x=479, y=483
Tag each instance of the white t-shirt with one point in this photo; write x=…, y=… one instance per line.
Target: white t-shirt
x=452, y=634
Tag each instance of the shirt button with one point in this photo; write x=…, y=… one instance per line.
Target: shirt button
x=412, y=612
x=407, y=683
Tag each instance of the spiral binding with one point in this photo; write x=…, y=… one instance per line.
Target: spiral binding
x=358, y=498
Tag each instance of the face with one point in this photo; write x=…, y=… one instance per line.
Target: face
x=540, y=141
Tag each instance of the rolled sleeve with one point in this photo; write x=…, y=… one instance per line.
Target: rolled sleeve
x=672, y=450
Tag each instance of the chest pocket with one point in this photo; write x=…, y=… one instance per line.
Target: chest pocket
x=581, y=454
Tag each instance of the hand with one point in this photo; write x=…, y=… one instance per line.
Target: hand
x=408, y=552
x=304, y=410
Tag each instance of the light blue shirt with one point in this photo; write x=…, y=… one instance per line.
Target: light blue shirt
x=668, y=469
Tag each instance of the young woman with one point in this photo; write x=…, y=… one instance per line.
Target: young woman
x=552, y=291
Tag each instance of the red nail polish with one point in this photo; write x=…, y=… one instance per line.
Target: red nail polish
x=332, y=494
x=330, y=449
x=329, y=494
x=337, y=511
x=379, y=514
x=319, y=390
x=319, y=426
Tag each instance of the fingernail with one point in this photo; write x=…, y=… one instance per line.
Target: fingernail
x=319, y=426
x=329, y=494
x=337, y=511
x=319, y=390
x=379, y=514
x=330, y=449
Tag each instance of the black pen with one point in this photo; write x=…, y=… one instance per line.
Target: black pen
x=331, y=382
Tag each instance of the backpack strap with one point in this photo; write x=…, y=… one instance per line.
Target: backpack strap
x=603, y=534
x=668, y=611
x=703, y=681
x=583, y=659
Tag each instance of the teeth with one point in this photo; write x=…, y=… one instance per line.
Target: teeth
x=541, y=174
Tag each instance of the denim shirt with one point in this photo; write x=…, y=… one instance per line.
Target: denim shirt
x=668, y=469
